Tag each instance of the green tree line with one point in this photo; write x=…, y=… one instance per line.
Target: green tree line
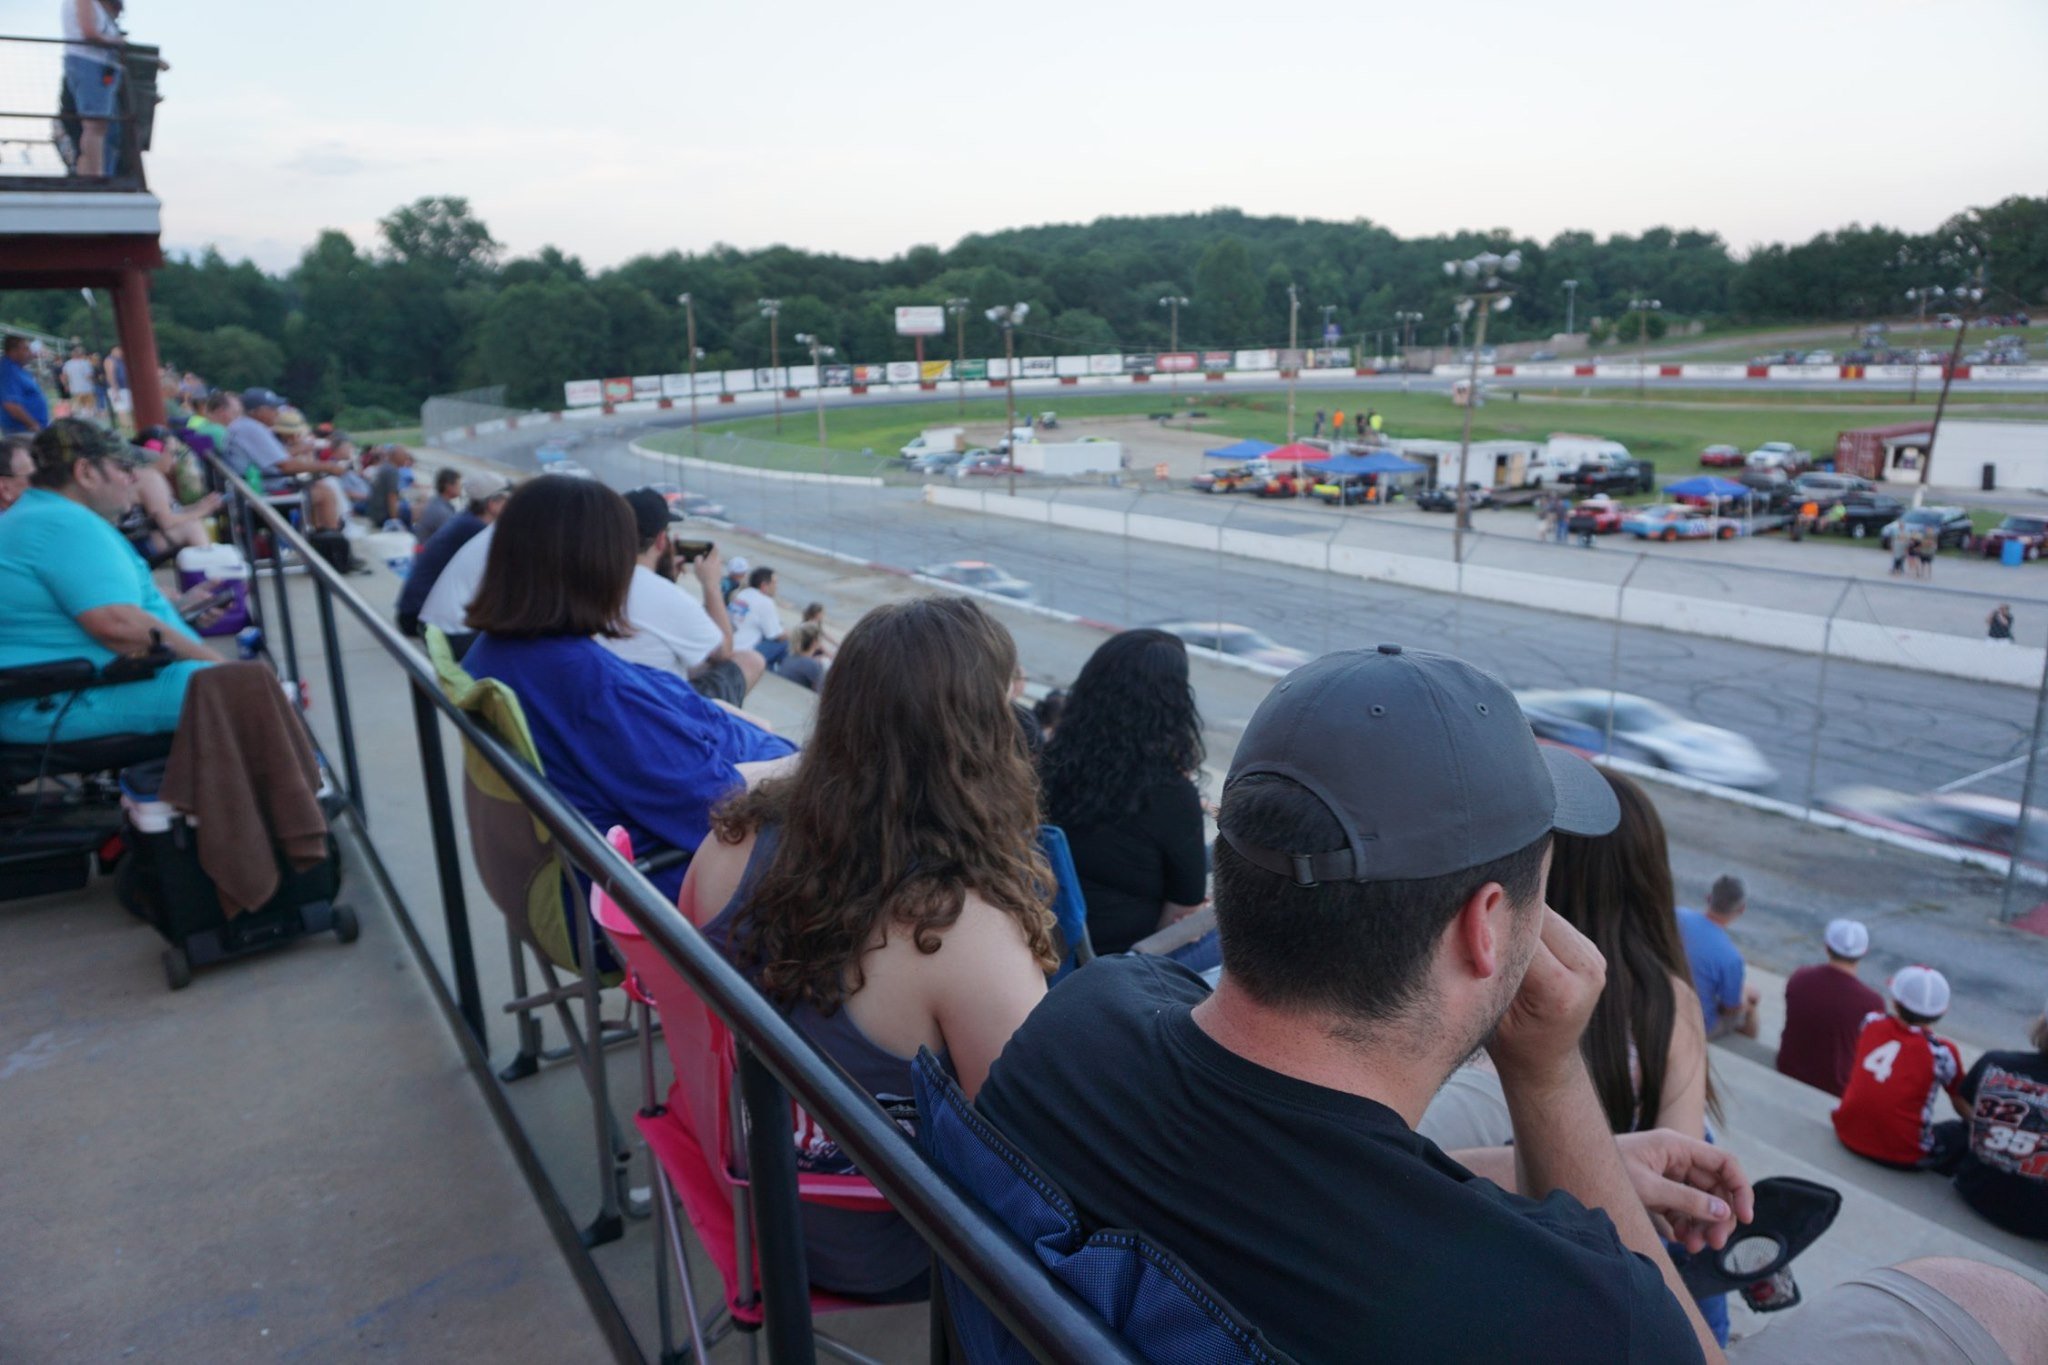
x=367, y=330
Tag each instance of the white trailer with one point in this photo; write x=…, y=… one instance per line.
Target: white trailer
x=1067, y=459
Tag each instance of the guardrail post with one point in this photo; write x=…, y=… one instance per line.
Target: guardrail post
x=771, y=1167
x=448, y=862
x=337, y=683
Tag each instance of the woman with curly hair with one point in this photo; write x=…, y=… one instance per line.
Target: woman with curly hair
x=1119, y=779
x=887, y=892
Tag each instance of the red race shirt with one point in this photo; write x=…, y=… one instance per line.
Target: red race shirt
x=1887, y=1111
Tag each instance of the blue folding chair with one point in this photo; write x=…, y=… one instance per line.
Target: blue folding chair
x=1156, y=1304
x=1069, y=909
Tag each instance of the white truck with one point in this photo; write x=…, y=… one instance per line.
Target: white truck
x=1567, y=453
x=934, y=441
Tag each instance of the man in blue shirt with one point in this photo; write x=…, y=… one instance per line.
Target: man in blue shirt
x=484, y=494
x=23, y=406
x=1727, y=1004
x=75, y=588
x=253, y=445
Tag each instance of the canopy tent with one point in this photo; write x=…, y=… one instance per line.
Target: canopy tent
x=1243, y=450
x=1707, y=486
x=1380, y=462
x=1299, y=453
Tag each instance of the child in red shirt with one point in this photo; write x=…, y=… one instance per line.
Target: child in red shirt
x=1900, y=1071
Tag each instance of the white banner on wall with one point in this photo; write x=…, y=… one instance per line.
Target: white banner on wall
x=1258, y=360
x=903, y=372
x=926, y=321
x=1070, y=364
x=1036, y=367
x=646, y=386
x=800, y=376
x=1105, y=364
x=739, y=381
x=583, y=393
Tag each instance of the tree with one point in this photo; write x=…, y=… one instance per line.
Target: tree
x=1227, y=294
x=534, y=336
x=1080, y=332
x=439, y=234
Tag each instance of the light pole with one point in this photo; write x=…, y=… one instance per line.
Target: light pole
x=771, y=309
x=1007, y=316
x=690, y=332
x=957, y=306
x=1643, y=308
x=1294, y=353
x=1173, y=303
x=1919, y=297
x=819, y=351
x=1486, y=292
x=1571, y=299
x=1966, y=297
x=1406, y=321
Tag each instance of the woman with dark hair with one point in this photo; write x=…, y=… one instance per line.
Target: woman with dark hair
x=1120, y=780
x=626, y=745
x=887, y=892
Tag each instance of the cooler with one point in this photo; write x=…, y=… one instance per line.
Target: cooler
x=394, y=548
x=2012, y=552
x=224, y=565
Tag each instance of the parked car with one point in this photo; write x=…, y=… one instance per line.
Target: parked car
x=1721, y=456
x=1988, y=824
x=986, y=463
x=1818, y=358
x=1950, y=526
x=1444, y=497
x=1646, y=732
x=1240, y=642
x=1616, y=476
x=1778, y=455
x=1862, y=514
x=2032, y=532
x=1230, y=480
x=1824, y=488
x=939, y=461
x=1543, y=355
x=1676, y=521
x=1344, y=490
x=1598, y=515
x=980, y=575
x=1284, y=483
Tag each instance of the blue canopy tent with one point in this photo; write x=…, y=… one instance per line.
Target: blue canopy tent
x=1243, y=451
x=1379, y=462
x=1708, y=486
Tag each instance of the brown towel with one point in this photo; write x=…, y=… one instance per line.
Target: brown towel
x=242, y=767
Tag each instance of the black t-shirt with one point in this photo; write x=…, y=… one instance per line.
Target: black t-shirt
x=1316, y=1214
x=2005, y=1176
x=1132, y=865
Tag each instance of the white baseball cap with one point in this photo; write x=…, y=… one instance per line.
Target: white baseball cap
x=737, y=566
x=1922, y=990
x=1847, y=938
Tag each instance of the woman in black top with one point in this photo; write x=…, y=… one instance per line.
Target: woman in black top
x=2005, y=1175
x=1119, y=779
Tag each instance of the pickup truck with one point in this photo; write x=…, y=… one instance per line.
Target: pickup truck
x=1620, y=476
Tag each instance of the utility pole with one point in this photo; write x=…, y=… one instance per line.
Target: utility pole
x=1173, y=304
x=1643, y=307
x=1007, y=316
x=1571, y=299
x=690, y=332
x=1485, y=271
x=1294, y=353
x=1965, y=296
x=818, y=353
x=958, y=308
x=771, y=309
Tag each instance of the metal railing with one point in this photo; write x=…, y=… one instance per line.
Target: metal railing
x=44, y=138
x=775, y=1062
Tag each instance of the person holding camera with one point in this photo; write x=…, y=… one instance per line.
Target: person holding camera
x=673, y=628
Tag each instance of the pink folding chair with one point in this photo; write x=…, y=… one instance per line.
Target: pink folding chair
x=697, y=1138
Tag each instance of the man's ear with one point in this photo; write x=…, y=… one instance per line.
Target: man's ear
x=1483, y=930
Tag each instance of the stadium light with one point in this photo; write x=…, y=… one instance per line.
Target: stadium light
x=771, y=309
x=1406, y=319
x=957, y=306
x=1642, y=308
x=1484, y=291
x=1007, y=316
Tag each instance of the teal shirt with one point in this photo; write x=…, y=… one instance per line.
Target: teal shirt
x=59, y=559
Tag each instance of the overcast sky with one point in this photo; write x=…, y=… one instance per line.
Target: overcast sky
x=610, y=128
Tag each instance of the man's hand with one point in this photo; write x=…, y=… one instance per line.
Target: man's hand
x=1696, y=1193
x=1747, y=1023
x=1539, y=1035
x=709, y=569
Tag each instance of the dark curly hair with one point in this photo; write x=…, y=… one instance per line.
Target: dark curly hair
x=1130, y=723
x=913, y=790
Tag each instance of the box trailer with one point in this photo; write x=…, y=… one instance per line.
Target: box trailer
x=1068, y=459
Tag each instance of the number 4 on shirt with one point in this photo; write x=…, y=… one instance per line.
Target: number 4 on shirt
x=1879, y=1062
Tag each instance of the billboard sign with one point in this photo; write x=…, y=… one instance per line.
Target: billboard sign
x=1258, y=360
x=935, y=370
x=1142, y=363
x=1216, y=361
x=902, y=371
x=921, y=322
x=837, y=376
x=1178, y=362
x=1105, y=364
x=1036, y=367
x=647, y=386
x=618, y=390
x=1289, y=359
x=583, y=393
x=873, y=374
x=967, y=369
x=1071, y=365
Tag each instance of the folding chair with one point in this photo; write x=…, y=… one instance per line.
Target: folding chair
x=697, y=1137
x=543, y=906
x=1069, y=908
x=1141, y=1292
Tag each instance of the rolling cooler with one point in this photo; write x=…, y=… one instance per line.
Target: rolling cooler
x=163, y=884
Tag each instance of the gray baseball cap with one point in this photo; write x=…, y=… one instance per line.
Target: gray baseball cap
x=1425, y=762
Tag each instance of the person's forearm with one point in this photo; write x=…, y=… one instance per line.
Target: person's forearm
x=714, y=607
x=128, y=630
x=1562, y=1143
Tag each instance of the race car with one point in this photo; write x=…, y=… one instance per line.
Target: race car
x=1236, y=478
x=1599, y=516
x=1285, y=483
x=1675, y=521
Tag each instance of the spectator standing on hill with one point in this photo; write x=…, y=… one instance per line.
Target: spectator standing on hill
x=625, y=745
x=1317, y=430
x=484, y=497
x=1998, y=625
x=445, y=503
x=1120, y=780
x=1337, y=425
x=80, y=383
x=1825, y=1009
x=24, y=409
x=2004, y=1175
x=886, y=892
x=17, y=464
x=674, y=629
x=114, y=371
x=1726, y=1003
x=1900, y=1071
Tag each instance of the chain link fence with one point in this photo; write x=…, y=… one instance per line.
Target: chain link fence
x=453, y=412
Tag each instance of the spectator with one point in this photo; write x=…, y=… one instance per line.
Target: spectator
x=1120, y=780
x=887, y=893
x=672, y=628
x=114, y=371
x=446, y=604
x=75, y=588
x=254, y=446
x=80, y=375
x=1727, y=1005
x=92, y=77
x=1048, y=711
x=17, y=463
x=827, y=640
x=1825, y=1006
x=1900, y=1070
x=625, y=745
x=172, y=526
x=736, y=571
x=24, y=410
x=207, y=433
x=484, y=494
x=1361, y=426
x=1316, y=431
x=2004, y=1175
x=1999, y=624
x=330, y=501
x=757, y=626
x=445, y=503
x=386, y=507
x=1379, y=890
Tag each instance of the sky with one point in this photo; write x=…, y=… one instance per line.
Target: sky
x=612, y=129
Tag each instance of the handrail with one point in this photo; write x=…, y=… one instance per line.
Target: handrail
x=1045, y=1317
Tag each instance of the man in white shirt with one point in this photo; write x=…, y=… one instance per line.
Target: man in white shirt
x=757, y=625
x=447, y=606
x=672, y=629
x=78, y=384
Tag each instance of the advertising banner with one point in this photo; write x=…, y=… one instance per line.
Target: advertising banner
x=1105, y=364
x=921, y=321
x=902, y=371
x=935, y=370
x=802, y=376
x=1143, y=363
x=618, y=390
x=968, y=369
x=838, y=376
x=1290, y=360
x=1216, y=361
x=1331, y=358
x=583, y=393
x=1258, y=360
x=1036, y=367
x=1177, y=362
x=764, y=378
x=877, y=374
x=647, y=386
x=739, y=381
x=1070, y=365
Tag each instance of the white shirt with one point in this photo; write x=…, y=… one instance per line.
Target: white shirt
x=448, y=600
x=78, y=376
x=670, y=628
x=75, y=44
x=754, y=618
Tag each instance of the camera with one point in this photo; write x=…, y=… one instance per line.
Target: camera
x=690, y=551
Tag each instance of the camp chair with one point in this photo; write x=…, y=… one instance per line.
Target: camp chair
x=543, y=906
x=1156, y=1304
x=1069, y=909
x=696, y=1135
